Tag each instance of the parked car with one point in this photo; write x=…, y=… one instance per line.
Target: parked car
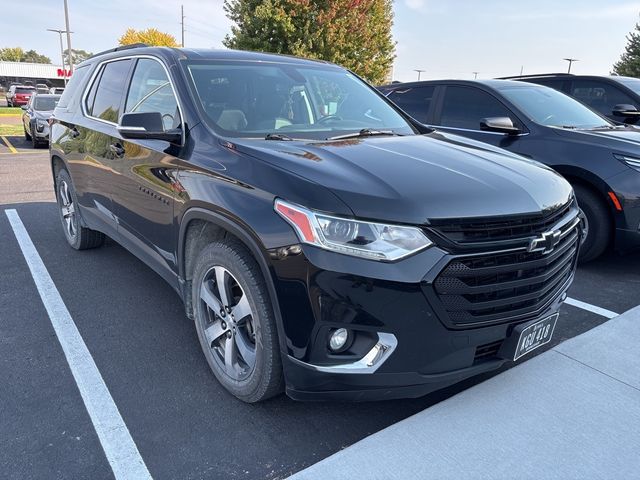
x=19, y=95
x=601, y=160
x=35, y=118
x=321, y=240
x=615, y=97
x=56, y=90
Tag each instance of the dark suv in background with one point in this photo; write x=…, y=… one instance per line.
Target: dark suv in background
x=615, y=97
x=600, y=159
x=321, y=239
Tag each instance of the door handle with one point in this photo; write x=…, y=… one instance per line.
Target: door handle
x=117, y=150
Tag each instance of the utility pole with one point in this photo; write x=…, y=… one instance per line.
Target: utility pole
x=182, y=23
x=521, y=70
x=60, y=32
x=570, y=60
x=66, y=24
x=419, y=72
x=475, y=75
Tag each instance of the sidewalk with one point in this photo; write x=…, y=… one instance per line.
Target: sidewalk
x=572, y=412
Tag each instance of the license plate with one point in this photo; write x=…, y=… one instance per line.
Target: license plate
x=535, y=335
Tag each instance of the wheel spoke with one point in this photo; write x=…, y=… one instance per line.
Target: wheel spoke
x=64, y=193
x=230, y=362
x=222, y=283
x=70, y=229
x=247, y=351
x=242, y=309
x=214, y=331
x=209, y=298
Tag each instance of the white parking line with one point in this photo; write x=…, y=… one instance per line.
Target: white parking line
x=591, y=308
x=120, y=449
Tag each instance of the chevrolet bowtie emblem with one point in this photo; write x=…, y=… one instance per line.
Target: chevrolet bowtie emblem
x=545, y=243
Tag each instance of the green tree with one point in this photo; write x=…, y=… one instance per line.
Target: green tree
x=150, y=36
x=353, y=33
x=34, y=57
x=17, y=54
x=78, y=56
x=629, y=63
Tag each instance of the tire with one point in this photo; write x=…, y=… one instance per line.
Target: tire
x=254, y=335
x=599, y=224
x=34, y=140
x=78, y=237
x=27, y=136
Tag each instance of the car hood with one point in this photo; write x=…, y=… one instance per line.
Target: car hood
x=413, y=179
x=627, y=139
x=42, y=114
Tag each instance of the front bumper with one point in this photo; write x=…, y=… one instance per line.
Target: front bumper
x=386, y=304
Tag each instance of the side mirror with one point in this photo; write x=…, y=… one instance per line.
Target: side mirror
x=147, y=126
x=628, y=112
x=24, y=107
x=499, y=124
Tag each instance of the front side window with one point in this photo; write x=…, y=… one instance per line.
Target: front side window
x=551, y=108
x=600, y=96
x=465, y=107
x=253, y=99
x=105, y=96
x=416, y=101
x=151, y=91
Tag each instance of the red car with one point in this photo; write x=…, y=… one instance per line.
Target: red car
x=19, y=95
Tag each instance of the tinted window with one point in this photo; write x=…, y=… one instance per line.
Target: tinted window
x=632, y=83
x=600, y=96
x=74, y=88
x=111, y=86
x=45, y=104
x=464, y=107
x=150, y=91
x=550, y=82
x=415, y=101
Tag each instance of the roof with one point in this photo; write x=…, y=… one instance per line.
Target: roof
x=491, y=83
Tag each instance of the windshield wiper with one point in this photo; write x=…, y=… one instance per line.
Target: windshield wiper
x=365, y=132
x=277, y=136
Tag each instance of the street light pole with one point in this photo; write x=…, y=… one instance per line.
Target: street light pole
x=60, y=32
x=66, y=24
x=475, y=75
x=570, y=60
x=419, y=72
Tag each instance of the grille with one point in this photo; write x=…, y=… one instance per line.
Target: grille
x=465, y=234
x=503, y=286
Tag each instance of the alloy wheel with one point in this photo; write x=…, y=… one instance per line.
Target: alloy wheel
x=68, y=210
x=228, y=323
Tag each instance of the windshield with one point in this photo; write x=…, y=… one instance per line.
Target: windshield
x=254, y=99
x=24, y=89
x=551, y=108
x=45, y=104
x=632, y=83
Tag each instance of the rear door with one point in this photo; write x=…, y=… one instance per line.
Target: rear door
x=463, y=107
x=145, y=171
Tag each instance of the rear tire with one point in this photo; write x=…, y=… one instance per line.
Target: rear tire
x=78, y=237
x=598, y=222
x=235, y=324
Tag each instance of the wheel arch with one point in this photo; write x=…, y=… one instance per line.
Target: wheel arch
x=588, y=180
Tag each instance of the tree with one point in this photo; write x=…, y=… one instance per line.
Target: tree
x=353, y=33
x=78, y=56
x=629, y=63
x=34, y=57
x=17, y=54
x=150, y=36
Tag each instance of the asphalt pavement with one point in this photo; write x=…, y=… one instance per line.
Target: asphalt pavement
x=183, y=423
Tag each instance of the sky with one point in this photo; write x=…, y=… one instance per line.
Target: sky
x=447, y=39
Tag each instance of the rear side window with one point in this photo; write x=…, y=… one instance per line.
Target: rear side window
x=151, y=91
x=109, y=91
x=600, y=96
x=464, y=107
x=69, y=98
x=415, y=101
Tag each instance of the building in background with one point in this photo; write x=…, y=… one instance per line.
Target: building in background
x=31, y=74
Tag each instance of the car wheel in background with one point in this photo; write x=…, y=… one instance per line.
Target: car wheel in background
x=78, y=237
x=598, y=226
x=235, y=322
x=27, y=136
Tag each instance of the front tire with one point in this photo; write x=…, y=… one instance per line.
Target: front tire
x=78, y=237
x=235, y=322
x=27, y=136
x=599, y=225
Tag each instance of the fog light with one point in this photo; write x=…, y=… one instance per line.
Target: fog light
x=338, y=339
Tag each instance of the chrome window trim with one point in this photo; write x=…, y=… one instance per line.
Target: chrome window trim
x=97, y=69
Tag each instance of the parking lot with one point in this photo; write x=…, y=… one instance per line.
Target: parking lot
x=183, y=422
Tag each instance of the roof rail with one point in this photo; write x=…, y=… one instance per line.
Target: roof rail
x=121, y=47
x=539, y=75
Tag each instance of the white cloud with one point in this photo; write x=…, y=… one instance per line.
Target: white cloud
x=415, y=4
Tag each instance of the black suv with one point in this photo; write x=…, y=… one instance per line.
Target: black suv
x=321, y=239
x=601, y=160
x=615, y=97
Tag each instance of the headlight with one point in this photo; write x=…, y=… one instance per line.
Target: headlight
x=633, y=162
x=375, y=241
x=40, y=124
